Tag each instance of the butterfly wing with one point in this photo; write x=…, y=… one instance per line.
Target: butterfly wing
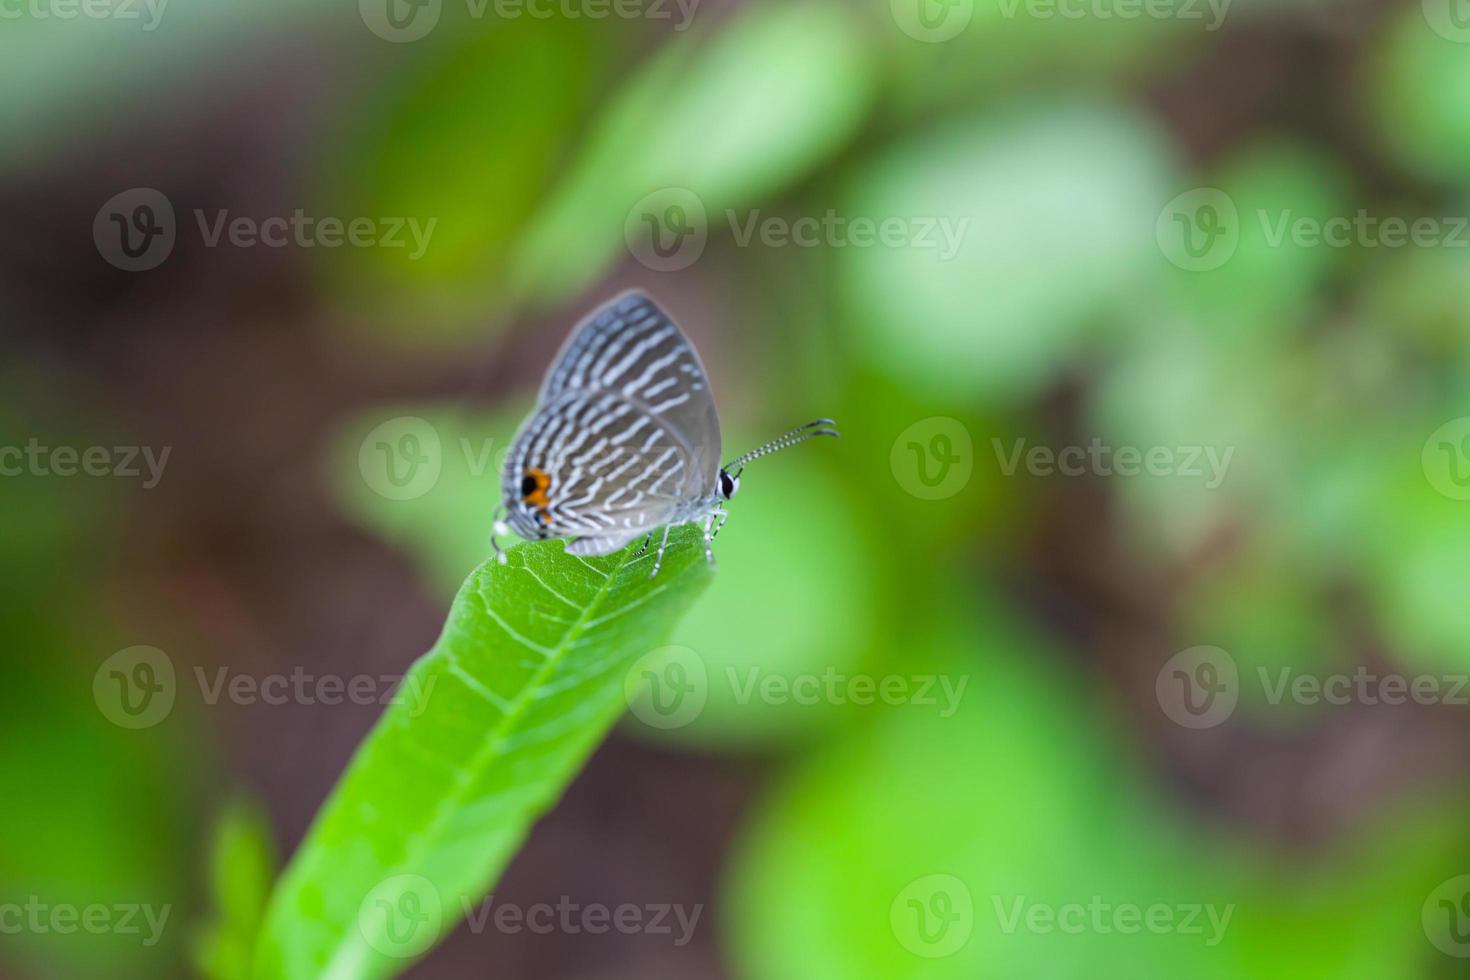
x=593, y=465
x=624, y=434
x=632, y=349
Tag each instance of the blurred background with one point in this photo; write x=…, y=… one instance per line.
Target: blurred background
x=1124, y=634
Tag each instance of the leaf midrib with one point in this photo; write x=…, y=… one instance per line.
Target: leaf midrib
x=498, y=731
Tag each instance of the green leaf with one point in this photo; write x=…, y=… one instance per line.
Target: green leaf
x=1416, y=87
x=489, y=728
x=1270, y=280
x=730, y=119
x=1007, y=203
x=1006, y=46
x=242, y=867
x=1417, y=543
x=463, y=146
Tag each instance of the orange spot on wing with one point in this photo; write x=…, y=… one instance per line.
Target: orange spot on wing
x=537, y=497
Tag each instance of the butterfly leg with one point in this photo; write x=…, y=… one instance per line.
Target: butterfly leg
x=659, y=560
x=709, y=551
x=643, y=549
x=499, y=529
x=723, y=515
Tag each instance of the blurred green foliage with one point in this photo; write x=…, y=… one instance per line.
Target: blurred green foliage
x=472, y=136
x=242, y=869
x=1049, y=147
x=733, y=118
x=96, y=815
x=1027, y=798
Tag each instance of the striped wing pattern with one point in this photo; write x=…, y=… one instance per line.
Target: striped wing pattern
x=626, y=432
x=633, y=348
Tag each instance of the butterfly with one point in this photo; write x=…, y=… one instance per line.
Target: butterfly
x=624, y=439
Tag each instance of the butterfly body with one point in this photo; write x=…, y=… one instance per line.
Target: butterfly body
x=625, y=438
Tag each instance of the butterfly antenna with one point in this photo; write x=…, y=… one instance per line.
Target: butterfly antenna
x=820, y=427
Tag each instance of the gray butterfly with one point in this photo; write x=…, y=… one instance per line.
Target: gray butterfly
x=624, y=439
